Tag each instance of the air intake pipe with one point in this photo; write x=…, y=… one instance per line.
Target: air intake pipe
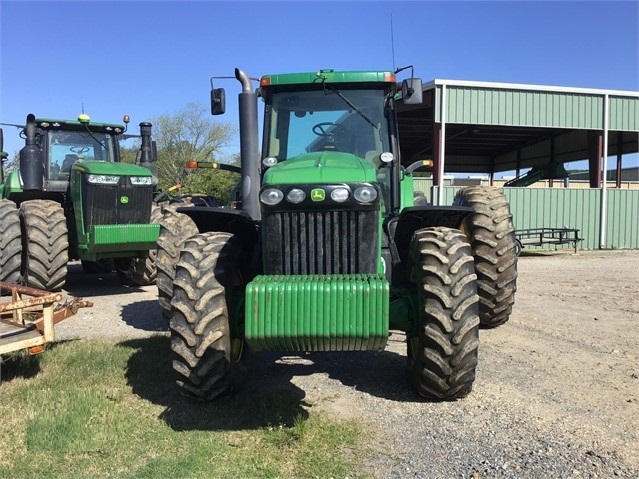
x=249, y=148
x=31, y=166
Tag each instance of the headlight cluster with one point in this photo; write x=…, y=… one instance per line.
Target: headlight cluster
x=103, y=179
x=341, y=194
x=141, y=180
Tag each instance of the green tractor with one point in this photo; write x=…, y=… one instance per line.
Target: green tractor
x=326, y=249
x=73, y=199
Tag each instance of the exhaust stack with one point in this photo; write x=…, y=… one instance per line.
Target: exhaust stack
x=31, y=166
x=249, y=148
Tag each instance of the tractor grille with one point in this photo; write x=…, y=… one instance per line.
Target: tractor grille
x=105, y=205
x=320, y=242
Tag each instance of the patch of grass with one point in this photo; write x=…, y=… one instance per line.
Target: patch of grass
x=88, y=408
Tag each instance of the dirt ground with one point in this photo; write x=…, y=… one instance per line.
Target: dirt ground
x=562, y=374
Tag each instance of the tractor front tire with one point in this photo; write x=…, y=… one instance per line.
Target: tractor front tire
x=206, y=356
x=10, y=242
x=175, y=229
x=45, y=244
x=491, y=234
x=442, y=354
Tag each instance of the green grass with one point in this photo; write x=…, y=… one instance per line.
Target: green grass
x=88, y=408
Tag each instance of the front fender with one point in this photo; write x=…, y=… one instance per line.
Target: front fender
x=227, y=220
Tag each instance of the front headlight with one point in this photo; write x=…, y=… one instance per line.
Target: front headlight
x=365, y=194
x=296, y=195
x=340, y=195
x=103, y=179
x=271, y=196
x=141, y=180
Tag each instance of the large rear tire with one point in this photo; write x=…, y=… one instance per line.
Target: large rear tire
x=492, y=236
x=10, y=242
x=175, y=229
x=206, y=356
x=442, y=356
x=45, y=244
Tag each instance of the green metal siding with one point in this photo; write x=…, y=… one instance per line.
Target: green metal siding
x=481, y=106
x=572, y=208
x=624, y=114
x=530, y=108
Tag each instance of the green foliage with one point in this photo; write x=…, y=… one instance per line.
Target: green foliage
x=190, y=135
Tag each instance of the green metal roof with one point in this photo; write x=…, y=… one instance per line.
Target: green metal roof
x=492, y=127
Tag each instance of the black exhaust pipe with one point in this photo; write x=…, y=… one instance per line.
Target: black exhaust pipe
x=31, y=165
x=249, y=148
x=146, y=149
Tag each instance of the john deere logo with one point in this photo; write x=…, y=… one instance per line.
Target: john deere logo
x=124, y=200
x=318, y=194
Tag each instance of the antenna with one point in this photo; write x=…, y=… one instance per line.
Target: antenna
x=392, y=40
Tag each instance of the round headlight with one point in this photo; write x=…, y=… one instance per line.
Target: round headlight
x=271, y=196
x=269, y=161
x=365, y=194
x=295, y=195
x=340, y=194
x=386, y=157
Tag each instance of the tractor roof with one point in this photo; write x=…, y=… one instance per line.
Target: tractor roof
x=328, y=76
x=57, y=124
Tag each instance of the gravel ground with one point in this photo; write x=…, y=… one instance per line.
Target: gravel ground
x=556, y=394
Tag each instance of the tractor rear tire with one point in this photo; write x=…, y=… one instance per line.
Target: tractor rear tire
x=206, y=356
x=45, y=244
x=140, y=271
x=175, y=229
x=442, y=355
x=10, y=242
x=491, y=234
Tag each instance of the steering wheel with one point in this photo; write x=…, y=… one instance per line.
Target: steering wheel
x=321, y=129
x=79, y=150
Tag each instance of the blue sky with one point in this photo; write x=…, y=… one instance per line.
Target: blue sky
x=148, y=58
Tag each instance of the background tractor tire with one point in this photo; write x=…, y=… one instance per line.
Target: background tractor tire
x=206, y=357
x=45, y=244
x=175, y=229
x=10, y=242
x=492, y=236
x=140, y=271
x=442, y=356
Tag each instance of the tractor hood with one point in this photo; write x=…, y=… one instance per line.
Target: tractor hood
x=108, y=168
x=321, y=167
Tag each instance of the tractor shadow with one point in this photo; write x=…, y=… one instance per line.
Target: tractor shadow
x=145, y=315
x=86, y=285
x=269, y=396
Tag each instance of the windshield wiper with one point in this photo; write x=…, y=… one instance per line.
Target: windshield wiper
x=96, y=139
x=349, y=103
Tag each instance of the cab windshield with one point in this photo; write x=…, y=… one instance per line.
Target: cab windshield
x=67, y=147
x=344, y=120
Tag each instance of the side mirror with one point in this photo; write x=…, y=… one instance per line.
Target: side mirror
x=218, y=101
x=412, y=91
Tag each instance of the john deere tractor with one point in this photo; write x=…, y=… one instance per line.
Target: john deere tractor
x=73, y=199
x=326, y=250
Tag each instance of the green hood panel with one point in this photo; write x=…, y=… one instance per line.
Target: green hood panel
x=108, y=168
x=321, y=167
